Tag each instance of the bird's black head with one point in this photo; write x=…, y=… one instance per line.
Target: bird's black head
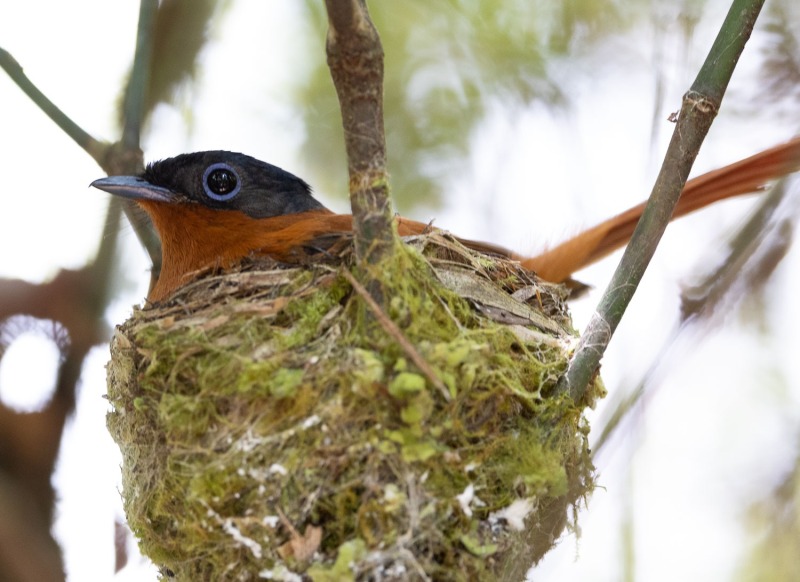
x=217, y=179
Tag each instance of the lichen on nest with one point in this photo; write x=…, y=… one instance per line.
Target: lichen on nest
x=272, y=426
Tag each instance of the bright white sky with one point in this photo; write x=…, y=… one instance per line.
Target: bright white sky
x=720, y=428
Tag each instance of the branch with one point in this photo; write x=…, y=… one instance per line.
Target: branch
x=90, y=145
x=112, y=158
x=136, y=92
x=754, y=252
x=123, y=157
x=355, y=58
x=700, y=106
x=27, y=552
x=133, y=115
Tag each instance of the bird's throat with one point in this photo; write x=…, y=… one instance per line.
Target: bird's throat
x=196, y=239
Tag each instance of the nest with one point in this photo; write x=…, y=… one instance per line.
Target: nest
x=275, y=423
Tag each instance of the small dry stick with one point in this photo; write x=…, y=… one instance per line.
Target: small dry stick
x=389, y=326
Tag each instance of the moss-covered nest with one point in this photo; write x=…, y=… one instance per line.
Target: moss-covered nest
x=275, y=425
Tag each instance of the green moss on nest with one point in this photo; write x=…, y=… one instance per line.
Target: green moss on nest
x=269, y=424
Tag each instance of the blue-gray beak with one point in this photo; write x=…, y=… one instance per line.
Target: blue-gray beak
x=135, y=188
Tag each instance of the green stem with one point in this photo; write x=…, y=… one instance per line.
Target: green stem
x=128, y=155
x=136, y=91
x=700, y=106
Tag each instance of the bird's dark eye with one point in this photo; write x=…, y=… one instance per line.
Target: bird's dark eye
x=221, y=182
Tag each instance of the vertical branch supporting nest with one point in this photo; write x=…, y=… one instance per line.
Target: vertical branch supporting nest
x=700, y=106
x=355, y=58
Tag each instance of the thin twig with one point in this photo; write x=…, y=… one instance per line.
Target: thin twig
x=102, y=269
x=700, y=106
x=389, y=326
x=90, y=145
x=355, y=59
x=113, y=158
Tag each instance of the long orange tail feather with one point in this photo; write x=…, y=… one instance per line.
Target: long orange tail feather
x=743, y=177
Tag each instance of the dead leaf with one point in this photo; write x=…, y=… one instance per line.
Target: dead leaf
x=300, y=547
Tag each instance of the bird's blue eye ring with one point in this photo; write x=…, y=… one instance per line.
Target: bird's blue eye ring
x=221, y=182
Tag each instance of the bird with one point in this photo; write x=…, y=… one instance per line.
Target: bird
x=212, y=209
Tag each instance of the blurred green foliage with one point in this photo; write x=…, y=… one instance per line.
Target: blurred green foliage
x=181, y=31
x=775, y=533
x=445, y=63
